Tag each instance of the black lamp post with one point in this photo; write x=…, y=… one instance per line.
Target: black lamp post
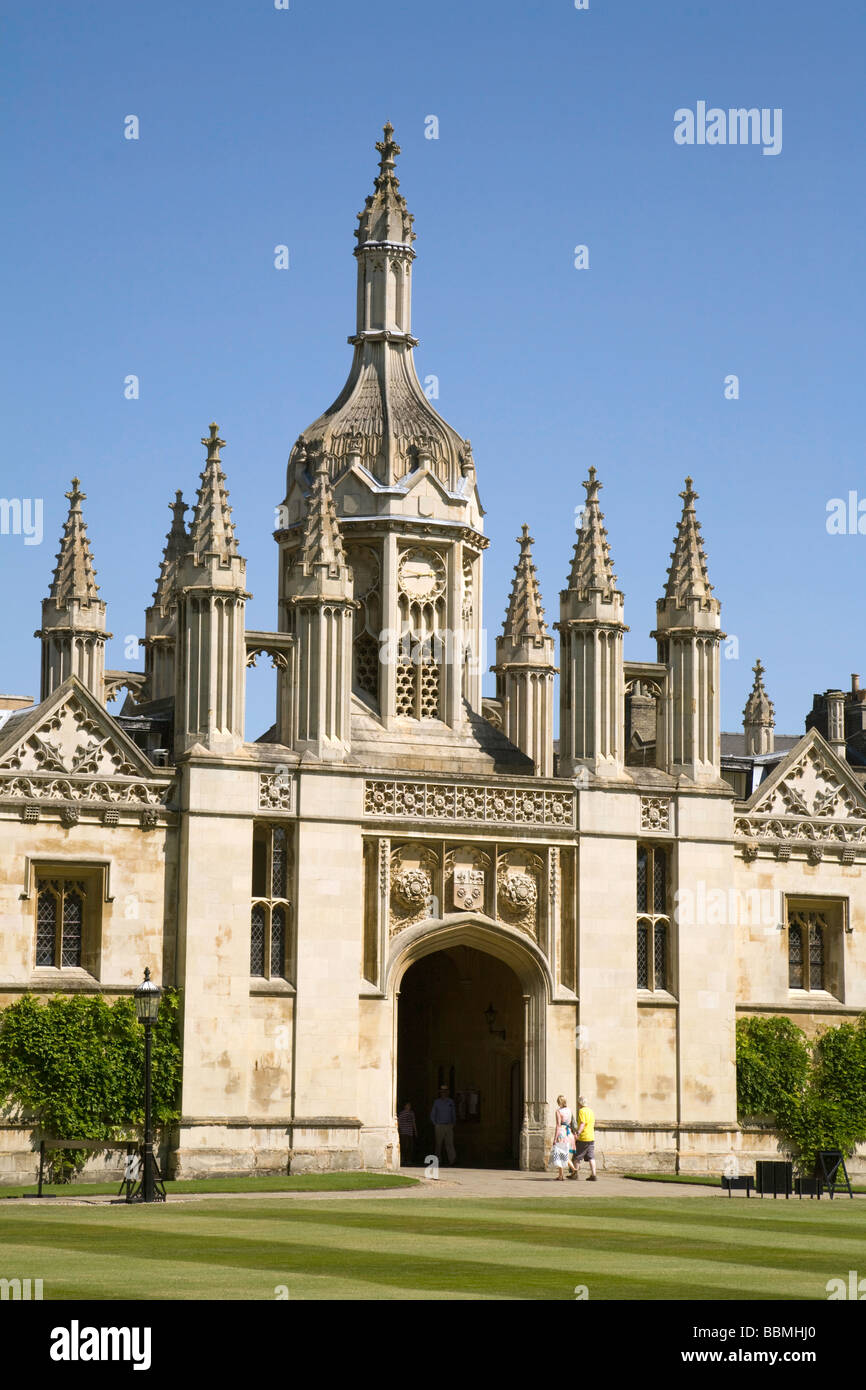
x=147, y=998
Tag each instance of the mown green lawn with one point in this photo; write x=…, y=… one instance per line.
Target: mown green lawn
x=303, y=1182
x=435, y=1248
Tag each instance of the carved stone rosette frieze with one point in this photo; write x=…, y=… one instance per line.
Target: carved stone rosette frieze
x=469, y=803
x=655, y=814
x=276, y=791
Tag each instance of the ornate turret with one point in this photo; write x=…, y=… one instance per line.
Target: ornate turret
x=759, y=717
x=314, y=699
x=591, y=627
x=211, y=594
x=404, y=490
x=160, y=619
x=525, y=666
x=73, y=618
x=688, y=636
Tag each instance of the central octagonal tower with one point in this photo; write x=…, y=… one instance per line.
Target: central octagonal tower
x=405, y=495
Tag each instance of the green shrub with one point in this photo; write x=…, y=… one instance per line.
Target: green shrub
x=772, y=1061
x=815, y=1094
x=75, y=1067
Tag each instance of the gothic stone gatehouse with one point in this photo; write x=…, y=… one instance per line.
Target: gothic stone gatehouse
x=403, y=883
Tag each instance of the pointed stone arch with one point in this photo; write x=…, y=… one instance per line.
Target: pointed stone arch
x=527, y=962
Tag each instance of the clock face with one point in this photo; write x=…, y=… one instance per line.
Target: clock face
x=421, y=575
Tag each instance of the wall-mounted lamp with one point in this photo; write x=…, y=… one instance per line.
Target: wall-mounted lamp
x=490, y=1015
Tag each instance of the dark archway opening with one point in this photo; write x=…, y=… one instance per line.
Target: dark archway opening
x=447, y=1036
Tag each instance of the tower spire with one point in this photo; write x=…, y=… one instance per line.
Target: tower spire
x=688, y=635
x=176, y=545
x=524, y=616
x=210, y=584
x=322, y=545
x=525, y=665
x=591, y=627
x=315, y=693
x=687, y=576
x=74, y=575
x=160, y=619
x=385, y=217
x=591, y=566
x=759, y=716
x=73, y=616
x=212, y=531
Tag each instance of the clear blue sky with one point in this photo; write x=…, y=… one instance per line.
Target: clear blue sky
x=155, y=257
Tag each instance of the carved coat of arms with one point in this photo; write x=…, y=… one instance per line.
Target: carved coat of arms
x=468, y=889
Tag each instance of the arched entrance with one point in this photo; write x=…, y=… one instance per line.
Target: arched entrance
x=460, y=1024
x=445, y=977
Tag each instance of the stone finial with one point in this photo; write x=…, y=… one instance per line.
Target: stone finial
x=385, y=216
x=687, y=575
x=212, y=531
x=176, y=545
x=759, y=707
x=524, y=616
x=74, y=576
x=591, y=566
x=759, y=717
x=322, y=544
x=388, y=149
x=213, y=443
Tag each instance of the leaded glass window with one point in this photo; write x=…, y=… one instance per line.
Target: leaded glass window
x=47, y=917
x=660, y=955
x=278, y=940
x=642, y=878
x=61, y=906
x=73, y=928
x=816, y=955
x=643, y=971
x=795, y=956
x=653, y=908
x=660, y=881
x=809, y=941
x=271, y=908
x=257, y=940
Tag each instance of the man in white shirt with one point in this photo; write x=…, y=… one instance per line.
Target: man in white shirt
x=444, y=1118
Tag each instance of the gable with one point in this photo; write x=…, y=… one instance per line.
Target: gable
x=70, y=734
x=811, y=781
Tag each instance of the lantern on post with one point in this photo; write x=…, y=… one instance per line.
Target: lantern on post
x=147, y=998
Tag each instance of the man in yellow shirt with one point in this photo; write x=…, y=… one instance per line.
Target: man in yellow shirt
x=585, y=1139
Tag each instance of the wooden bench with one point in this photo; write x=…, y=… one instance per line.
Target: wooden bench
x=91, y=1145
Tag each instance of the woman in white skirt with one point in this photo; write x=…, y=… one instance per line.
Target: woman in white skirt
x=563, y=1143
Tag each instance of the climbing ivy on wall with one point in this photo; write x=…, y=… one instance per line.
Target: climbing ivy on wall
x=815, y=1094
x=74, y=1067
